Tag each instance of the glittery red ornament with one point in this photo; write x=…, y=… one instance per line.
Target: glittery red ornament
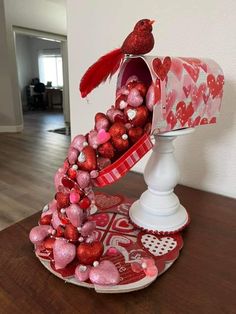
x=135, y=134
x=71, y=233
x=85, y=203
x=63, y=200
x=64, y=219
x=88, y=253
x=72, y=173
x=48, y=244
x=121, y=144
x=60, y=231
x=45, y=220
x=67, y=183
x=106, y=150
x=141, y=87
x=117, y=129
x=137, y=116
x=87, y=159
x=99, y=115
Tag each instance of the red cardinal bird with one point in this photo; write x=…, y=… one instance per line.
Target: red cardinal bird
x=139, y=41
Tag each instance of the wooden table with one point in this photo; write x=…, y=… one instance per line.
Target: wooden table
x=202, y=280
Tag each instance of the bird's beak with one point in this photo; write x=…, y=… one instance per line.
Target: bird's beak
x=151, y=22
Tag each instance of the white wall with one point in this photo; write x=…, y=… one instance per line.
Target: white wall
x=7, y=117
x=45, y=15
x=24, y=64
x=183, y=28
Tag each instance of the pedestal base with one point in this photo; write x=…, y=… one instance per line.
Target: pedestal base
x=159, y=224
x=159, y=210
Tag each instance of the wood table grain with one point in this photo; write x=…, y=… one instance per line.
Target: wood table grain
x=202, y=280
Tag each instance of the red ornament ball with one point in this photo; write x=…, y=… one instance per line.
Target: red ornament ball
x=88, y=253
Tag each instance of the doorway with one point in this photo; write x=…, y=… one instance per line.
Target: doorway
x=42, y=66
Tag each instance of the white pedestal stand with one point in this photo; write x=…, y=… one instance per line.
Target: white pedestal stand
x=158, y=208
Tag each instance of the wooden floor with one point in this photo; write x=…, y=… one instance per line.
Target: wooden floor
x=28, y=162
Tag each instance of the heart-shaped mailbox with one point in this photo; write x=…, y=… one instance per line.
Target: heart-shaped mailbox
x=183, y=93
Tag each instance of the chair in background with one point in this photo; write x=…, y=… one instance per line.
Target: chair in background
x=39, y=96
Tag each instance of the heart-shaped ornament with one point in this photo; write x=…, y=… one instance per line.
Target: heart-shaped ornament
x=39, y=233
x=63, y=253
x=105, y=273
x=103, y=136
x=73, y=155
x=82, y=272
x=138, y=116
x=89, y=162
x=75, y=215
x=88, y=228
x=134, y=98
x=79, y=142
x=83, y=179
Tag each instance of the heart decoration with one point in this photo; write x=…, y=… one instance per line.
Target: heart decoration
x=215, y=84
x=39, y=233
x=83, y=178
x=88, y=228
x=171, y=120
x=183, y=112
x=72, y=155
x=89, y=162
x=63, y=253
x=82, y=272
x=161, y=247
x=161, y=68
x=104, y=201
x=193, y=71
x=116, y=240
x=103, y=136
x=122, y=225
x=79, y=142
x=101, y=219
x=170, y=100
x=105, y=273
x=134, y=98
x=176, y=68
x=75, y=215
x=197, y=95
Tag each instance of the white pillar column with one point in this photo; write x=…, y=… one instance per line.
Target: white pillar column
x=158, y=208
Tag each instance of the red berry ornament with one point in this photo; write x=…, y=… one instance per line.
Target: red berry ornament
x=88, y=253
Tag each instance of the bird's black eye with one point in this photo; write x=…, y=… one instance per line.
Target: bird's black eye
x=142, y=22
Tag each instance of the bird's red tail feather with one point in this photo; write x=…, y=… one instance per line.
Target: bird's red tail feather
x=105, y=66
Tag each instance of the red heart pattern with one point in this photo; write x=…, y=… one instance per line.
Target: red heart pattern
x=193, y=71
x=215, y=84
x=183, y=112
x=161, y=68
x=105, y=201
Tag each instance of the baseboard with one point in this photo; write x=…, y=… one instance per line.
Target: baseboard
x=11, y=128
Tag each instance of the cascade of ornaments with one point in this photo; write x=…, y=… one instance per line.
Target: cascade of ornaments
x=65, y=230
